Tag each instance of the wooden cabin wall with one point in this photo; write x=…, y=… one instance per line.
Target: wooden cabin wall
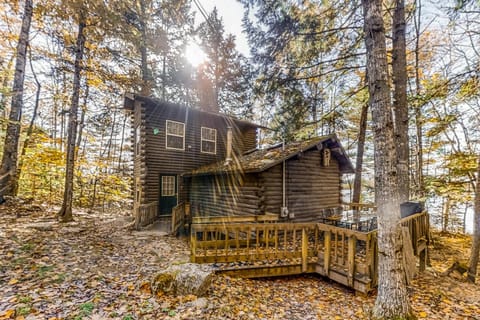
x=310, y=186
x=225, y=195
x=271, y=181
x=160, y=160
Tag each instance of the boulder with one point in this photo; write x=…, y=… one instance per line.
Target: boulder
x=183, y=279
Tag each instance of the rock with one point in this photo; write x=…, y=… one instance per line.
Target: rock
x=46, y=226
x=183, y=279
x=457, y=270
x=200, y=303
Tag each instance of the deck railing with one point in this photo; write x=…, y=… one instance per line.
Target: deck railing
x=346, y=256
x=146, y=214
x=180, y=216
x=359, y=206
x=293, y=248
x=271, y=249
x=419, y=229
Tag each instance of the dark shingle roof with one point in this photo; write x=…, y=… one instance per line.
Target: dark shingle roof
x=261, y=160
x=129, y=100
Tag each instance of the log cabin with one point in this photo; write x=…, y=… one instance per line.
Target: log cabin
x=296, y=181
x=211, y=161
x=169, y=140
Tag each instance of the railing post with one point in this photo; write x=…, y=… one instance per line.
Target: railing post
x=374, y=261
x=352, y=242
x=326, y=253
x=304, y=250
x=193, y=245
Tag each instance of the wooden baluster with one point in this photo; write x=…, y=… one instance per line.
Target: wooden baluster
x=193, y=245
x=257, y=242
x=265, y=234
x=226, y=243
x=326, y=253
x=294, y=242
x=352, y=241
x=247, y=249
x=276, y=241
x=335, y=247
x=304, y=250
x=216, y=239
x=237, y=242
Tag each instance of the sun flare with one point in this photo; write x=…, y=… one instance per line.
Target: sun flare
x=194, y=54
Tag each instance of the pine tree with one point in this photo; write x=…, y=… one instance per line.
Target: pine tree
x=302, y=54
x=223, y=81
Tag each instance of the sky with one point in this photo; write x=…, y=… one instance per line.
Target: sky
x=232, y=13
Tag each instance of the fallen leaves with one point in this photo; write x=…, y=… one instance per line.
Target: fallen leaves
x=93, y=269
x=7, y=314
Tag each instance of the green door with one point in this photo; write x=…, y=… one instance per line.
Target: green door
x=168, y=194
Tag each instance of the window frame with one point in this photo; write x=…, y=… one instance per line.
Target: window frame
x=137, y=140
x=173, y=190
x=208, y=140
x=174, y=135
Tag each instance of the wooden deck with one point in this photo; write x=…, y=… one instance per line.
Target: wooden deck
x=265, y=248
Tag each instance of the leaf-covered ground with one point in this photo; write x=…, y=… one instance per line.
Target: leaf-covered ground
x=92, y=268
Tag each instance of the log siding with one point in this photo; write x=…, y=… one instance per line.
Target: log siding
x=154, y=158
x=310, y=187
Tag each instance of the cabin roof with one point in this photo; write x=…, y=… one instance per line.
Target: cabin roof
x=129, y=100
x=263, y=159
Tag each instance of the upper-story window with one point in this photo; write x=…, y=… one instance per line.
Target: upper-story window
x=137, y=140
x=175, y=135
x=209, y=140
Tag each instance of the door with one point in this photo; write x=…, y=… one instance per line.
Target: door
x=168, y=194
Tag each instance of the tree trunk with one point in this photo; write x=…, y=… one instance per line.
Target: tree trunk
x=3, y=100
x=81, y=125
x=474, y=254
x=392, y=300
x=8, y=170
x=146, y=89
x=420, y=190
x=399, y=68
x=164, y=76
x=30, y=127
x=65, y=213
x=357, y=182
x=446, y=213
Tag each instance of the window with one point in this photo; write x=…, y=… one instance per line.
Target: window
x=175, y=135
x=168, y=186
x=209, y=140
x=137, y=140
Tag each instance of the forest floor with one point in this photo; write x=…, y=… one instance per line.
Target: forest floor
x=92, y=268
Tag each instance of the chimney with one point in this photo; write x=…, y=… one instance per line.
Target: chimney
x=228, y=157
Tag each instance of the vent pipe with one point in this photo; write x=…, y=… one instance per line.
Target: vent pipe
x=284, y=209
x=228, y=157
